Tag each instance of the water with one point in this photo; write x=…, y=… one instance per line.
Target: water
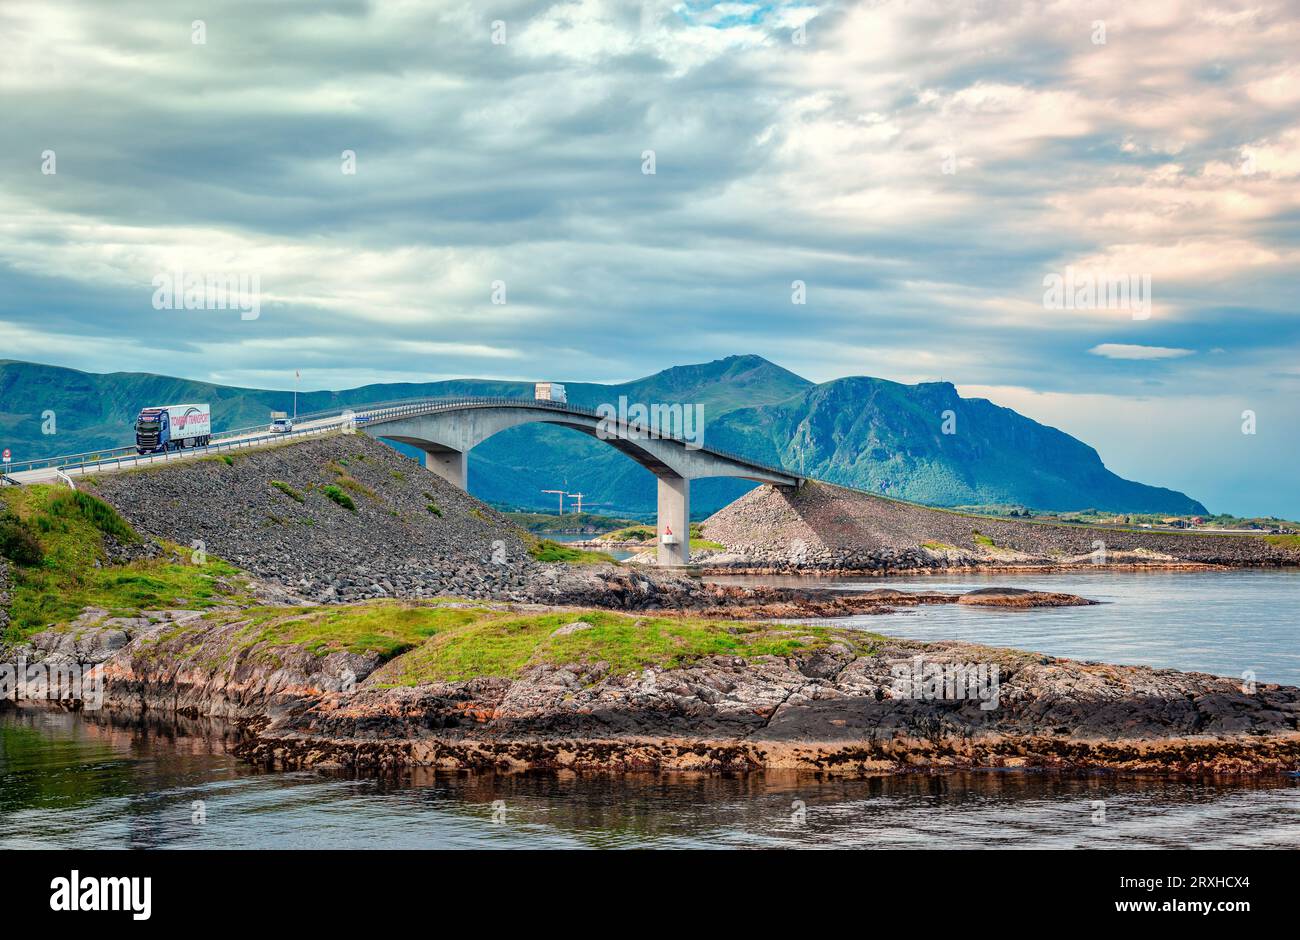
x=67, y=781
x=81, y=782
x=618, y=554
x=1220, y=622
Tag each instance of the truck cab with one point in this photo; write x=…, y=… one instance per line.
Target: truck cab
x=152, y=431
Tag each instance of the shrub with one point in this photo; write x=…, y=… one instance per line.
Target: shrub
x=95, y=511
x=433, y=508
x=343, y=499
x=287, y=490
x=18, y=542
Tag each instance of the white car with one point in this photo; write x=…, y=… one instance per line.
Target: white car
x=281, y=426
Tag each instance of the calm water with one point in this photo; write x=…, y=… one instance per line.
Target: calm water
x=66, y=782
x=73, y=781
x=1221, y=622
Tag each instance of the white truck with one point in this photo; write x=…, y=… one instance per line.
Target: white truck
x=171, y=427
x=549, y=391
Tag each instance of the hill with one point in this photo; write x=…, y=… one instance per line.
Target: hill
x=861, y=432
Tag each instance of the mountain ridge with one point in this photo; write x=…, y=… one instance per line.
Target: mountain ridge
x=923, y=442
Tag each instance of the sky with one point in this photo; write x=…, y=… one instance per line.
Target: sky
x=922, y=174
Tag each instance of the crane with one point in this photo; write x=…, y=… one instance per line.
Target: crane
x=561, y=492
x=578, y=497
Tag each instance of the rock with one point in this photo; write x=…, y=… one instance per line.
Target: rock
x=571, y=628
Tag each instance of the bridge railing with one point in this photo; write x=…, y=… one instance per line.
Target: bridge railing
x=371, y=413
x=431, y=405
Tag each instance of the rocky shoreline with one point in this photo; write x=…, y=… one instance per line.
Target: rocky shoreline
x=836, y=702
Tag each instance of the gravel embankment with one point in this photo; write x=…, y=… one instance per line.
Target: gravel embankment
x=391, y=544
x=825, y=527
x=6, y=591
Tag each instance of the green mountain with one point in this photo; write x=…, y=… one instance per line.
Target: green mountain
x=890, y=438
x=863, y=432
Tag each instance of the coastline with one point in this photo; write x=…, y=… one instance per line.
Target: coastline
x=819, y=699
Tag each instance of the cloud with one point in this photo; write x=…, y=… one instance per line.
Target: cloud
x=1127, y=351
x=921, y=172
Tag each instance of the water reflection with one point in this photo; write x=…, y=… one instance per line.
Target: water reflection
x=76, y=781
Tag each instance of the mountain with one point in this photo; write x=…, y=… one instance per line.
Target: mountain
x=864, y=432
x=889, y=438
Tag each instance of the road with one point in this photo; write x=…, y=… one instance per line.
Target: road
x=220, y=444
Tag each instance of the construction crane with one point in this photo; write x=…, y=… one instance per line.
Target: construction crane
x=561, y=492
x=578, y=497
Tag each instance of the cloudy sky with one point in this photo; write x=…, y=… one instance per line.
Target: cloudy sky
x=921, y=167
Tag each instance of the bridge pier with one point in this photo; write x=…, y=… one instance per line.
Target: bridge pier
x=451, y=465
x=674, y=517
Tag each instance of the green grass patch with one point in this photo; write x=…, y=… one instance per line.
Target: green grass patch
x=707, y=544
x=287, y=490
x=982, y=540
x=547, y=550
x=388, y=628
x=632, y=533
x=1284, y=541
x=74, y=571
x=433, y=508
x=349, y=482
x=337, y=494
x=496, y=645
x=941, y=546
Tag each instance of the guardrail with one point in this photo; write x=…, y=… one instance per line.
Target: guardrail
x=375, y=413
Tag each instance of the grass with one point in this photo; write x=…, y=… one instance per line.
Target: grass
x=451, y=640
x=504, y=645
x=433, y=508
x=1284, y=541
x=982, y=540
x=632, y=533
x=336, y=494
x=707, y=544
x=939, y=546
x=287, y=490
x=74, y=573
x=388, y=628
x=547, y=550
x=347, y=481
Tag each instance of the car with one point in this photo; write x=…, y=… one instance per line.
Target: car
x=281, y=426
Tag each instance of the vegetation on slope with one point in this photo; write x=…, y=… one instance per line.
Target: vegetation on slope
x=505, y=644
x=61, y=563
x=547, y=550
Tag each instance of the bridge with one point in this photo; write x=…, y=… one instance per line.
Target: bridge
x=446, y=430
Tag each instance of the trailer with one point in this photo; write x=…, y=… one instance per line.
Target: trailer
x=172, y=427
x=549, y=391
x=281, y=423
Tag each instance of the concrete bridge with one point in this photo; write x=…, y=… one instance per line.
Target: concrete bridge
x=448, y=430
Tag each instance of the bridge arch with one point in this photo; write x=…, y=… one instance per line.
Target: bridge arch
x=447, y=433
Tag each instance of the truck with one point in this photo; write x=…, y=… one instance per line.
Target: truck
x=281, y=423
x=172, y=427
x=549, y=391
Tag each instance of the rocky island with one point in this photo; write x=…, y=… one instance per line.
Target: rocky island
x=348, y=611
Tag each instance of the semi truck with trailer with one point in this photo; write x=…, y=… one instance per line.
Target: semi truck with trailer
x=172, y=427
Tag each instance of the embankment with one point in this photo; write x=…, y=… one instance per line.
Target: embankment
x=825, y=528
